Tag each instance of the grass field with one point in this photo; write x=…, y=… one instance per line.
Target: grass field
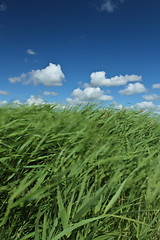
x=79, y=174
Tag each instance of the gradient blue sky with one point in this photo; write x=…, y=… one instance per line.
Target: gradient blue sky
x=71, y=51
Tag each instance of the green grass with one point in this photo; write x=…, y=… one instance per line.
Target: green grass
x=79, y=173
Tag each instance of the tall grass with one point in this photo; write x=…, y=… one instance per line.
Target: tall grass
x=86, y=173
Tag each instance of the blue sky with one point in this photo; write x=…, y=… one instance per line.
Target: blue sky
x=73, y=51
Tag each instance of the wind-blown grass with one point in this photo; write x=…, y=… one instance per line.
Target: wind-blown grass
x=79, y=174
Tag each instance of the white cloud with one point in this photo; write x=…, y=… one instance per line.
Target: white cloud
x=52, y=75
x=132, y=89
x=2, y=103
x=4, y=92
x=85, y=85
x=98, y=79
x=108, y=6
x=36, y=100
x=50, y=93
x=87, y=94
x=145, y=105
x=31, y=52
x=151, y=97
x=17, y=102
x=80, y=82
x=60, y=106
x=120, y=106
x=156, y=85
x=3, y=7
x=18, y=79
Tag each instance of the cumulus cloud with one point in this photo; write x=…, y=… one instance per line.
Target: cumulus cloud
x=89, y=93
x=3, y=7
x=50, y=93
x=156, y=85
x=52, y=75
x=31, y=52
x=148, y=106
x=132, y=89
x=36, y=100
x=151, y=97
x=145, y=105
x=2, y=103
x=4, y=92
x=99, y=79
x=17, y=102
x=117, y=106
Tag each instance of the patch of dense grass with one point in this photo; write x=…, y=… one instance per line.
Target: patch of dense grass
x=86, y=173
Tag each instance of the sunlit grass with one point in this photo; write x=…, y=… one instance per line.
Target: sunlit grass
x=74, y=173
